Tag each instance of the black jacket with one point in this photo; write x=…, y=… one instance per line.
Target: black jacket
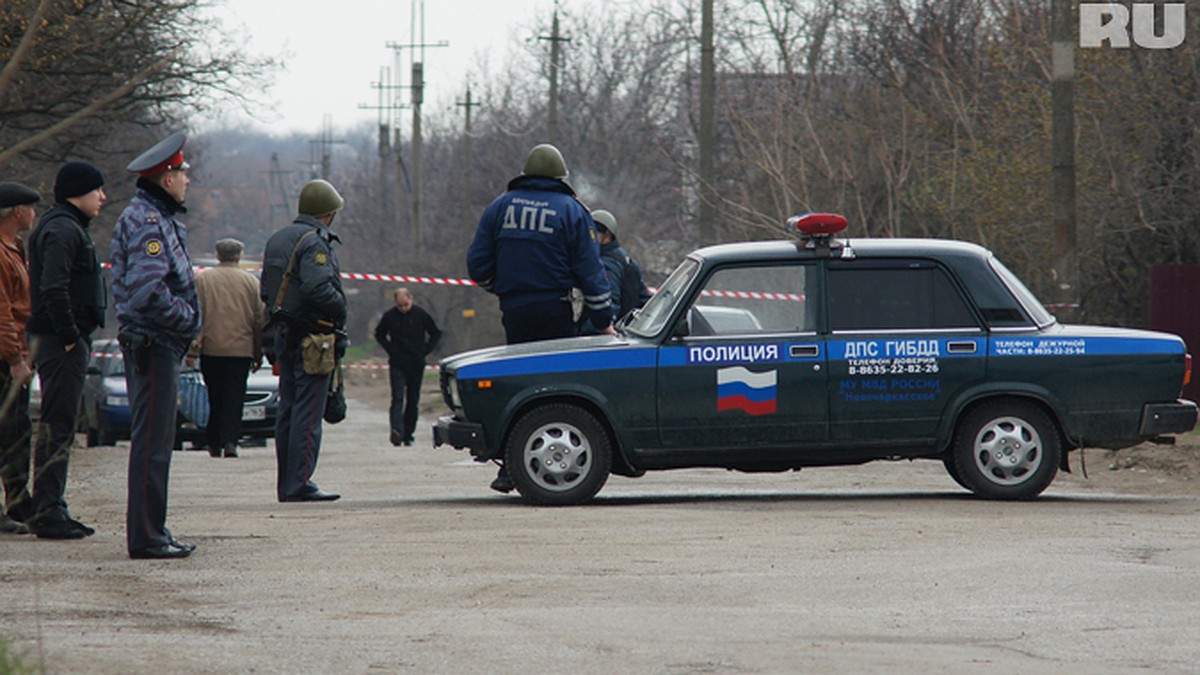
x=66, y=283
x=314, y=292
x=407, y=337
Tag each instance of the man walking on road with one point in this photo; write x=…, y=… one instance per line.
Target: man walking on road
x=408, y=334
x=230, y=343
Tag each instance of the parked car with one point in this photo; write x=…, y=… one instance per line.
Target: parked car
x=775, y=356
x=259, y=408
x=104, y=416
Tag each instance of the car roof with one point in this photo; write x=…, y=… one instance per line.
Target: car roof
x=865, y=247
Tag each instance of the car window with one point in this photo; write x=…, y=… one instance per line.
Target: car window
x=900, y=295
x=649, y=320
x=755, y=300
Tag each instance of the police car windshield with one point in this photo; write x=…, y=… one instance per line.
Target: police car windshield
x=651, y=319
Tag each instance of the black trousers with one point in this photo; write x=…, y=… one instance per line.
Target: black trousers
x=153, y=404
x=225, y=379
x=544, y=320
x=61, y=373
x=406, y=395
x=15, y=449
x=298, y=424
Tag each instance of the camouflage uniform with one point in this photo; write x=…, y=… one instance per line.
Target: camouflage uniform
x=154, y=288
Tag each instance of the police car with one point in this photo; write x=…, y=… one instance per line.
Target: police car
x=821, y=351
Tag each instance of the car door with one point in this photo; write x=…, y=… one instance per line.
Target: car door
x=746, y=366
x=903, y=341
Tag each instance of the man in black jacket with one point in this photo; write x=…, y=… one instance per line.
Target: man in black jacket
x=408, y=334
x=69, y=300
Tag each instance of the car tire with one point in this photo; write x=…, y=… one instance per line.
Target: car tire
x=558, y=455
x=952, y=469
x=1007, y=449
x=93, y=437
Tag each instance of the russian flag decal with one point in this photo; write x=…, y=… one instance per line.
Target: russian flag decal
x=740, y=389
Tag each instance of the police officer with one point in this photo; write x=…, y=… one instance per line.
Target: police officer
x=302, y=290
x=68, y=303
x=17, y=213
x=624, y=274
x=159, y=314
x=534, y=244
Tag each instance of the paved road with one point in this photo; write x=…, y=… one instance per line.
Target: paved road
x=420, y=568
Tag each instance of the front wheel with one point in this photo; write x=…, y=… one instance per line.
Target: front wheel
x=558, y=454
x=1007, y=450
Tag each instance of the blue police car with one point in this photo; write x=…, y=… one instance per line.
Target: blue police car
x=820, y=351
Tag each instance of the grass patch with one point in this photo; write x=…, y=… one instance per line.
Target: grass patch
x=11, y=663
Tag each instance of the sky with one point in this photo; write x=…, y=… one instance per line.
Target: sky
x=333, y=51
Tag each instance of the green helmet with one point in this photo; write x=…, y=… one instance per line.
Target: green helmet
x=545, y=160
x=319, y=197
x=606, y=220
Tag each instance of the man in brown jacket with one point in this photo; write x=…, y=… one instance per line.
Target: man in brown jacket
x=16, y=215
x=230, y=343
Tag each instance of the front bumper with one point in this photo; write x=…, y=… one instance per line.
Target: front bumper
x=1168, y=418
x=460, y=434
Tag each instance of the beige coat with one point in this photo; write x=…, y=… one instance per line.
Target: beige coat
x=231, y=311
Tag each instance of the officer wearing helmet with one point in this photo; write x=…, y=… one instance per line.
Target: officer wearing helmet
x=302, y=291
x=158, y=310
x=624, y=274
x=534, y=244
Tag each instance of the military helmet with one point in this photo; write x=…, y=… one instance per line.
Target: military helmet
x=318, y=197
x=545, y=160
x=606, y=220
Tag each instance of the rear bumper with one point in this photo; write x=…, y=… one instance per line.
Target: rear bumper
x=1168, y=418
x=460, y=434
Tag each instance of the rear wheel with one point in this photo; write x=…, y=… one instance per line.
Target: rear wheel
x=1007, y=450
x=558, y=454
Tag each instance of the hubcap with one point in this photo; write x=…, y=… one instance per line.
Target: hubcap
x=557, y=456
x=1008, y=450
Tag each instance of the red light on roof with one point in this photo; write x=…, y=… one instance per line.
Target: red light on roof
x=817, y=224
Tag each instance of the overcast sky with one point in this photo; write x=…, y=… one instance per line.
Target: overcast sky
x=334, y=49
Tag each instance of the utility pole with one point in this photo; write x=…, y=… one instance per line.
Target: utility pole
x=555, y=62
x=1062, y=101
x=708, y=96
x=417, y=89
x=280, y=208
x=468, y=144
x=320, y=151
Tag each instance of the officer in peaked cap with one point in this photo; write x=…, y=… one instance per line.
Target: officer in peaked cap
x=16, y=194
x=159, y=314
x=166, y=155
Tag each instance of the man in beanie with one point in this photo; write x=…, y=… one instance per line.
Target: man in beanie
x=17, y=213
x=154, y=290
x=307, y=300
x=230, y=343
x=69, y=300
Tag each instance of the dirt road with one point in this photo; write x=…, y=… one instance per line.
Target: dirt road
x=420, y=568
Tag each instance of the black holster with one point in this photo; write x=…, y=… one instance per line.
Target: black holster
x=138, y=346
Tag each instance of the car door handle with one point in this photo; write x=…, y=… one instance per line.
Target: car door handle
x=803, y=351
x=961, y=347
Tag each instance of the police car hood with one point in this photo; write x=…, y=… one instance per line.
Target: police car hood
x=592, y=346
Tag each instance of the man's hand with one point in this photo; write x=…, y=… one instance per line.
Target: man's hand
x=609, y=330
x=189, y=361
x=21, y=372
